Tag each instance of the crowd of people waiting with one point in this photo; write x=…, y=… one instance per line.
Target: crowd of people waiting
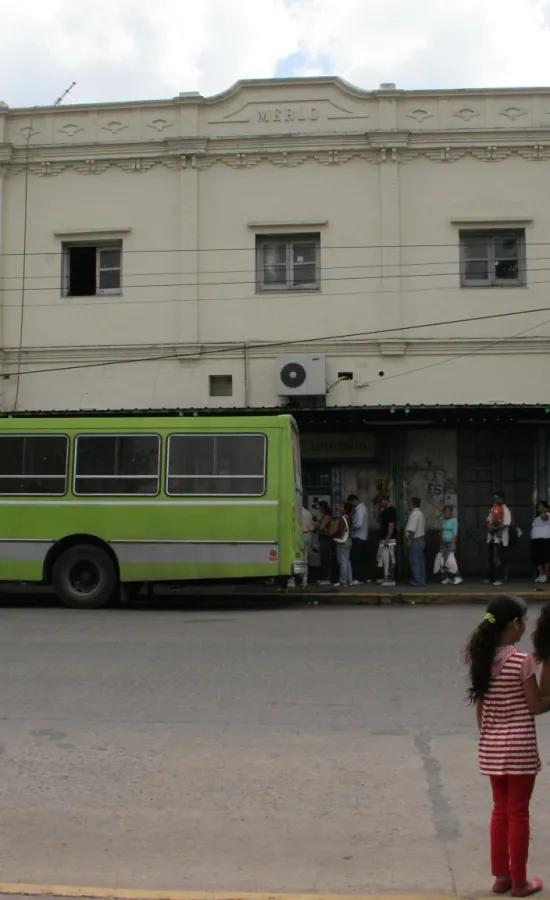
x=342, y=539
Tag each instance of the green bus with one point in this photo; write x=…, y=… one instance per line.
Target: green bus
x=92, y=503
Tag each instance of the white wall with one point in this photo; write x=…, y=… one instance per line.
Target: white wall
x=381, y=176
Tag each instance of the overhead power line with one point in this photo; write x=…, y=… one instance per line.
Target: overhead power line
x=255, y=345
x=251, y=247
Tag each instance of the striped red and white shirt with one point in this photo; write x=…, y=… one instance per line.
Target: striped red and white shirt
x=508, y=742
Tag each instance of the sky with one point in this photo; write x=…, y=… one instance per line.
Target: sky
x=147, y=49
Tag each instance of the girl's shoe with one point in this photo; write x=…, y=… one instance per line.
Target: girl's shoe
x=502, y=885
x=446, y=581
x=457, y=579
x=533, y=886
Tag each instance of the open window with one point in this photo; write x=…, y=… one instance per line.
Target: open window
x=92, y=269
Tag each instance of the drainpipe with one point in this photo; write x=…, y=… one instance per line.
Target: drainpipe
x=245, y=362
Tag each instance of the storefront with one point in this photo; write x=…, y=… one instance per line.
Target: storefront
x=442, y=455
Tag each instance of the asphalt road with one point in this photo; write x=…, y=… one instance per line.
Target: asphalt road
x=309, y=749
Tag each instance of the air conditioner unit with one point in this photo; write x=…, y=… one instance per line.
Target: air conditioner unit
x=301, y=376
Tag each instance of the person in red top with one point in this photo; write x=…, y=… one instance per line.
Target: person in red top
x=503, y=687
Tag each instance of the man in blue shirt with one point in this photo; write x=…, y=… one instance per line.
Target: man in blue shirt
x=359, y=535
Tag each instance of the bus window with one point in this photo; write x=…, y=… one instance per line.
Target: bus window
x=216, y=464
x=34, y=464
x=117, y=464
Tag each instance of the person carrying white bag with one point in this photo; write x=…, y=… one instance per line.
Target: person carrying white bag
x=449, y=537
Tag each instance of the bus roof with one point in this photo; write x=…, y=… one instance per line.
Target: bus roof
x=136, y=421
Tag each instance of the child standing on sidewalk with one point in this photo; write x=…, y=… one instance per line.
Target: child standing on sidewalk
x=504, y=689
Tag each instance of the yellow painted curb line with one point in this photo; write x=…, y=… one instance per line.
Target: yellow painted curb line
x=45, y=890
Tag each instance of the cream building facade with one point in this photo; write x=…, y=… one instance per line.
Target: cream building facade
x=376, y=261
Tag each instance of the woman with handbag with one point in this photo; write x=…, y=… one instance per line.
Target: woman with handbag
x=449, y=537
x=341, y=536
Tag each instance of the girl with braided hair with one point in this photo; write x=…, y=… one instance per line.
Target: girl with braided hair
x=503, y=687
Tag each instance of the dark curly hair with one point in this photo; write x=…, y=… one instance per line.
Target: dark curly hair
x=481, y=648
x=541, y=635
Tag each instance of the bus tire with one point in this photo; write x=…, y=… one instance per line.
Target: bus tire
x=84, y=577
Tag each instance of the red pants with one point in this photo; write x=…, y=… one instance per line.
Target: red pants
x=510, y=825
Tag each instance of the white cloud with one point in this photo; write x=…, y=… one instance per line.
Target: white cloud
x=429, y=43
x=138, y=49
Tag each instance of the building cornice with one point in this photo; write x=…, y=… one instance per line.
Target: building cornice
x=276, y=85
x=191, y=353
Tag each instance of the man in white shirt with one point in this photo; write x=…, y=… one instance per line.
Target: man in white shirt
x=359, y=535
x=416, y=542
x=498, y=538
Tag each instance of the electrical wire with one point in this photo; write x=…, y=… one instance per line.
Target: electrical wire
x=442, y=362
x=239, y=345
x=251, y=247
x=272, y=291
x=24, y=266
x=377, y=265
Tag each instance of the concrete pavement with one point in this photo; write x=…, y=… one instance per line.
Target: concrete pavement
x=322, y=750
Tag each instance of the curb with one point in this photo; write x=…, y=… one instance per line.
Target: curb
x=98, y=893
x=405, y=598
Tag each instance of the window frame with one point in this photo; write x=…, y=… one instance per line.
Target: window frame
x=215, y=434
x=116, y=434
x=99, y=246
x=215, y=375
x=25, y=435
x=289, y=240
x=489, y=235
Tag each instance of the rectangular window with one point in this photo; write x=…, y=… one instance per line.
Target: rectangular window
x=216, y=464
x=92, y=269
x=117, y=464
x=34, y=464
x=492, y=258
x=288, y=262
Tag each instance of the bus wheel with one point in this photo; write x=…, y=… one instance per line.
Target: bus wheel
x=84, y=577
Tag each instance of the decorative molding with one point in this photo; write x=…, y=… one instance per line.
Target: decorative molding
x=284, y=158
x=501, y=221
x=490, y=345
x=42, y=163
x=159, y=124
x=492, y=153
x=114, y=127
x=241, y=160
x=70, y=130
x=420, y=115
x=87, y=232
x=333, y=158
x=91, y=167
x=46, y=169
x=536, y=152
x=466, y=113
x=257, y=226
x=513, y=112
x=178, y=163
x=444, y=155
x=27, y=132
x=136, y=165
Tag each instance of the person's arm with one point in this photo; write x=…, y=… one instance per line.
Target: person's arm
x=479, y=711
x=359, y=517
x=455, y=534
x=506, y=521
x=391, y=532
x=411, y=527
x=536, y=702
